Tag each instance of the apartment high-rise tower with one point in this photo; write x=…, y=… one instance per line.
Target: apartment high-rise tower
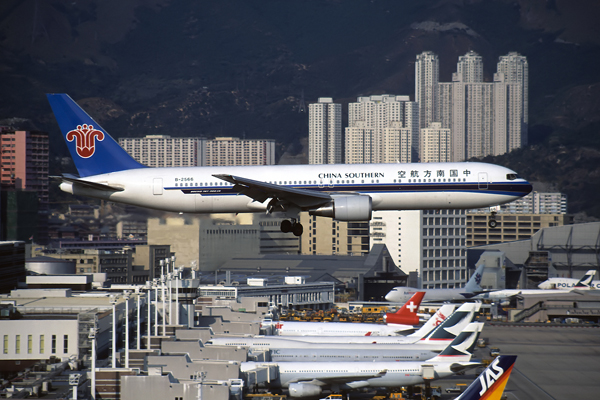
x=325, y=132
x=426, y=87
x=485, y=117
x=382, y=129
x=511, y=97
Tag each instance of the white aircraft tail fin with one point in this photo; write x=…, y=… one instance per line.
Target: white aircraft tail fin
x=442, y=313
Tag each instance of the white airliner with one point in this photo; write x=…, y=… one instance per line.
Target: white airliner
x=305, y=379
x=400, y=293
x=330, y=352
x=431, y=333
x=402, y=321
x=345, y=192
x=584, y=283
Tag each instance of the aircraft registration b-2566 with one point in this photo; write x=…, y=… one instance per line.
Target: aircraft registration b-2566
x=345, y=192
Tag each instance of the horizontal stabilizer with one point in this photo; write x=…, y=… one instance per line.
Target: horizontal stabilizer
x=89, y=184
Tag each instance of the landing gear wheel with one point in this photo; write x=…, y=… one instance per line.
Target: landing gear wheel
x=297, y=230
x=286, y=226
x=492, y=222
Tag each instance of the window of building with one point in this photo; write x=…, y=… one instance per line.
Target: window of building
x=29, y=344
x=41, y=344
x=17, y=344
x=53, y=350
x=5, y=347
x=65, y=344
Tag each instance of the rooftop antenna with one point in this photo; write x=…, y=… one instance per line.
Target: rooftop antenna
x=302, y=105
x=39, y=29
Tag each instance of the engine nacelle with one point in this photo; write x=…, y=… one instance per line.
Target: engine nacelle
x=347, y=208
x=304, y=390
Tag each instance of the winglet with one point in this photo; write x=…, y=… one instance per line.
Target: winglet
x=93, y=150
x=492, y=381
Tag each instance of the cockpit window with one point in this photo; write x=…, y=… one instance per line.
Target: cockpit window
x=512, y=177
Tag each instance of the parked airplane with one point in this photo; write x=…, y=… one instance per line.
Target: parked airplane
x=400, y=293
x=490, y=384
x=404, y=320
x=345, y=192
x=446, y=331
x=584, y=283
x=305, y=379
x=330, y=352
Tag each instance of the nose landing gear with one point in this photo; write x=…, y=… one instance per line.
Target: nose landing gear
x=492, y=223
x=292, y=226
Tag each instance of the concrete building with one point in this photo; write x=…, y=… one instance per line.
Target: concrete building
x=327, y=236
x=206, y=242
x=537, y=203
x=20, y=215
x=167, y=151
x=511, y=99
x=351, y=274
x=24, y=167
x=557, y=251
x=325, y=132
x=54, y=323
x=12, y=265
x=162, y=150
x=382, y=129
x=428, y=243
x=223, y=151
x=436, y=144
x=484, y=117
x=510, y=227
x=519, y=219
x=427, y=72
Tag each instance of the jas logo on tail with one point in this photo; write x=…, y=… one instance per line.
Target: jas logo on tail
x=85, y=139
x=488, y=377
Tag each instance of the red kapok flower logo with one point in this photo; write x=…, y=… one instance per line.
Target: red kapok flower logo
x=85, y=139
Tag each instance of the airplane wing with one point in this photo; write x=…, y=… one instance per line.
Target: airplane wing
x=93, y=185
x=341, y=379
x=261, y=191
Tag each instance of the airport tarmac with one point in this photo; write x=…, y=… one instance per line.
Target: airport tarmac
x=554, y=362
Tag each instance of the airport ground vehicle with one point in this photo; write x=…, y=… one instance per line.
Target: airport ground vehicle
x=494, y=351
x=458, y=388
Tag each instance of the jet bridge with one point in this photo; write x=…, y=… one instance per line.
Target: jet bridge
x=261, y=375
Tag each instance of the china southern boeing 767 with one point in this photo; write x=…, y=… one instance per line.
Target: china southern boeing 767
x=345, y=192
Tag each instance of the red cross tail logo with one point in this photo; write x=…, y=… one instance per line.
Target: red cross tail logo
x=85, y=139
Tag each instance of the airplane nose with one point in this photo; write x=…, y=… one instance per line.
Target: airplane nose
x=527, y=188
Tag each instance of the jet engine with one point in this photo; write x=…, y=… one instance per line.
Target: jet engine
x=304, y=390
x=347, y=208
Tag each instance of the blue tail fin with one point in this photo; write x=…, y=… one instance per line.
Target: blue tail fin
x=93, y=150
x=492, y=381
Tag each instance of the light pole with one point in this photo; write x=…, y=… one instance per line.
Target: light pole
x=164, y=306
x=170, y=297
x=138, y=321
x=155, y=307
x=74, y=381
x=113, y=301
x=92, y=337
x=176, y=295
x=126, y=297
x=149, y=302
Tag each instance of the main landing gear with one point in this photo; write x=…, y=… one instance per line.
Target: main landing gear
x=292, y=226
x=492, y=223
